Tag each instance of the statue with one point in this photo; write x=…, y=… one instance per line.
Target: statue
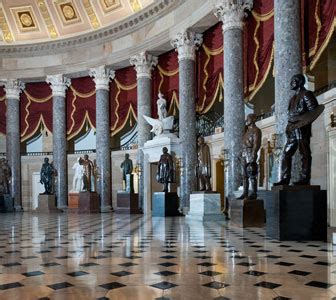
x=88, y=171
x=47, y=173
x=303, y=110
x=203, y=165
x=127, y=166
x=5, y=175
x=77, y=182
x=165, y=173
x=161, y=107
x=251, y=146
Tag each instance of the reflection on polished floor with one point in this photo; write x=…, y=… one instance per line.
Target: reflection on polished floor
x=104, y=256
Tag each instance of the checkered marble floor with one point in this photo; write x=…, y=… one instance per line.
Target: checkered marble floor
x=110, y=256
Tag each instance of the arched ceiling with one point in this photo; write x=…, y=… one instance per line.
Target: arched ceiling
x=32, y=21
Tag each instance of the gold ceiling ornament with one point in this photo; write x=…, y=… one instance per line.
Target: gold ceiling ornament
x=110, y=5
x=136, y=5
x=68, y=12
x=89, y=10
x=47, y=19
x=24, y=18
x=7, y=35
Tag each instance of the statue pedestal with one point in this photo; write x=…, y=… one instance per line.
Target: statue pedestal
x=6, y=203
x=165, y=204
x=127, y=203
x=88, y=202
x=297, y=213
x=205, y=206
x=73, y=200
x=46, y=203
x=247, y=213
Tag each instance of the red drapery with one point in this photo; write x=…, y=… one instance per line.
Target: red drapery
x=2, y=111
x=123, y=99
x=81, y=105
x=35, y=109
x=166, y=81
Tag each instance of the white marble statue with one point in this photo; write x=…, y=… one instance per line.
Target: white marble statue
x=161, y=107
x=77, y=183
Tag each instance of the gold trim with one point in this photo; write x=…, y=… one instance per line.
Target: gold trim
x=37, y=100
x=130, y=110
x=85, y=119
x=40, y=121
x=319, y=26
x=47, y=18
x=173, y=103
x=135, y=5
x=3, y=98
x=7, y=35
x=219, y=89
x=91, y=13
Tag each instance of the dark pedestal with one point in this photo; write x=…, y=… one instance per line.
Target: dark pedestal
x=88, y=202
x=73, y=200
x=6, y=203
x=127, y=203
x=165, y=204
x=46, y=203
x=297, y=213
x=247, y=213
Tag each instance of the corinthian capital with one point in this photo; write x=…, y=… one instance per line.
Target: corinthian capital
x=232, y=13
x=101, y=77
x=13, y=88
x=58, y=84
x=144, y=63
x=185, y=43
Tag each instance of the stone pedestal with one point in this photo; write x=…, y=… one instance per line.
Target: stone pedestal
x=247, y=213
x=73, y=199
x=165, y=204
x=46, y=203
x=297, y=213
x=6, y=203
x=127, y=203
x=205, y=206
x=88, y=202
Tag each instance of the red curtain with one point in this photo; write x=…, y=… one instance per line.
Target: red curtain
x=123, y=99
x=81, y=105
x=2, y=110
x=35, y=109
x=166, y=81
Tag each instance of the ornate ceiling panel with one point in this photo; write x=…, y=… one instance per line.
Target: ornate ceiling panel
x=31, y=21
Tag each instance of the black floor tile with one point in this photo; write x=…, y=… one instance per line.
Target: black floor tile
x=13, y=264
x=165, y=273
x=255, y=273
x=216, y=285
x=284, y=263
x=268, y=285
x=164, y=285
x=90, y=264
x=246, y=264
x=206, y=264
x=210, y=273
x=167, y=264
x=308, y=256
x=128, y=264
x=12, y=285
x=33, y=273
x=51, y=264
x=61, y=285
x=318, y=284
x=298, y=272
x=77, y=273
x=121, y=273
x=168, y=257
x=112, y=285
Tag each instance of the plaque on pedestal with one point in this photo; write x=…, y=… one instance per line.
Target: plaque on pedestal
x=205, y=206
x=247, y=213
x=165, y=204
x=6, y=203
x=73, y=200
x=127, y=203
x=297, y=213
x=88, y=202
x=46, y=203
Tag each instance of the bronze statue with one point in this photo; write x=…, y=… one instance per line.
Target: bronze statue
x=303, y=109
x=165, y=173
x=46, y=176
x=203, y=165
x=5, y=175
x=127, y=169
x=88, y=172
x=251, y=146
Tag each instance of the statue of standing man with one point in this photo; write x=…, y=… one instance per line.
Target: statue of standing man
x=46, y=176
x=161, y=107
x=127, y=169
x=165, y=173
x=88, y=172
x=203, y=165
x=5, y=175
x=251, y=146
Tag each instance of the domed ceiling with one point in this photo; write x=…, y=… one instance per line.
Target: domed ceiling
x=32, y=21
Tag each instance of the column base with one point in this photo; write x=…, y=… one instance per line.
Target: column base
x=127, y=203
x=46, y=203
x=106, y=209
x=165, y=204
x=88, y=202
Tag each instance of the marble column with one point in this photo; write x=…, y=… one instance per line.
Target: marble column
x=143, y=63
x=13, y=88
x=186, y=43
x=232, y=14
x=102, y=78
x=59, y=84
x=287, y=62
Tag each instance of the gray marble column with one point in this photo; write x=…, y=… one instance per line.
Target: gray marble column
x=59, y=84
x=13, y=88
x=186, y=43
x=287, y=62
x=232, y=14
x=102, y=78
x=143, y=63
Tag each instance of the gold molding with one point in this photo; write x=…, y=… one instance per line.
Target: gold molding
x=7, y=35
x=92, y=15
x=68, y=12
x=135, y=5
x=110, y=5
x=25, y=18
x=47, y=19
